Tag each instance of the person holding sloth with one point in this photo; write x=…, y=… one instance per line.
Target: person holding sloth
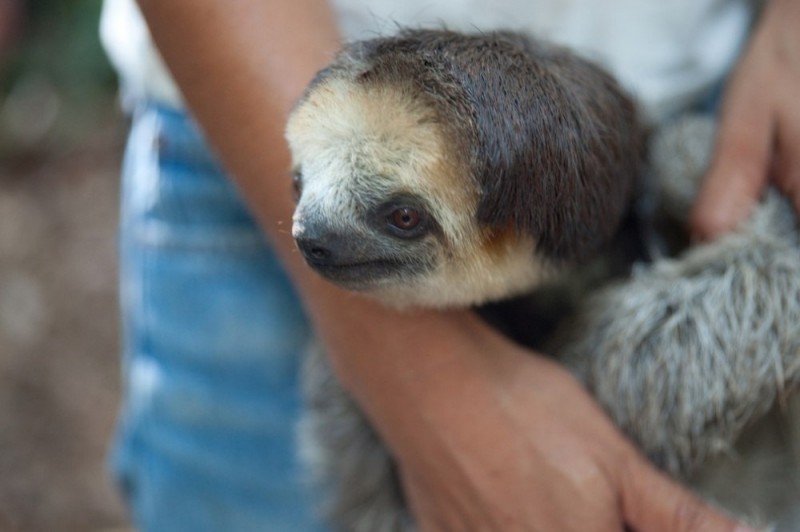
x=505, y=442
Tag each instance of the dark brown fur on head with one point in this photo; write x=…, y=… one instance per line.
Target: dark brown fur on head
x=554, y=144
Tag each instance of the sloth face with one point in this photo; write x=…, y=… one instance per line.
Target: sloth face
x=383, y=207
x=388, y=240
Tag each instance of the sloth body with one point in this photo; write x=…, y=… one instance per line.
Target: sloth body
x=438, y=169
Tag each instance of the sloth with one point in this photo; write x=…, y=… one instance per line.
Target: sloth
x=439, y=169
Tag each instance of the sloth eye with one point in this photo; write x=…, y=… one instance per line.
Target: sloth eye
x=405, y=218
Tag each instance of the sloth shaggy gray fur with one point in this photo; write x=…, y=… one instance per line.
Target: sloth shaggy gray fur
x=694, y=356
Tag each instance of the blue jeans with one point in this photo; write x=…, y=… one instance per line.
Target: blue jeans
x=212, y=332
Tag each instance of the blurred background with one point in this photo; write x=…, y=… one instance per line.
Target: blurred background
x=61, y=137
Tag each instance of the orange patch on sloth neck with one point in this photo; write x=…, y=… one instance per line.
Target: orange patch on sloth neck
x=497, y=241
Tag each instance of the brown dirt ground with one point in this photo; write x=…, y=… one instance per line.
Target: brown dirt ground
x=59, y=363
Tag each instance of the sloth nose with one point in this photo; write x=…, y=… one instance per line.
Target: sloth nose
x=325, y=249
x=313, y=249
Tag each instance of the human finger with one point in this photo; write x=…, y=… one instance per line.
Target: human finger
x=787, y=170
x=740, y=164
x=653, y=503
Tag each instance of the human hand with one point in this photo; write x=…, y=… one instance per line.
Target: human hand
x=528, y=449
x=491, y=437
x=759, y=133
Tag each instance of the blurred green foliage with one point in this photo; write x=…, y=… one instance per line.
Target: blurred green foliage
x=56, y=69
x=60, y=39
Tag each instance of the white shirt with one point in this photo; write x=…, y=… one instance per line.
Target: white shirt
x=667, y=52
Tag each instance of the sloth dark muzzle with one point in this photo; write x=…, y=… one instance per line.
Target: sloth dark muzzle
x=347, y=260
x=354, y=261
x=329, y=249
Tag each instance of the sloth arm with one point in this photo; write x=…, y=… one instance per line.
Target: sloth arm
x=759, y=133
x=502, y=442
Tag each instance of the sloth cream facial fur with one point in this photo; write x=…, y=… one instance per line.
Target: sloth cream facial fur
x=383, y=206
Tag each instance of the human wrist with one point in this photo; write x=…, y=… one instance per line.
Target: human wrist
x=420, y=376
